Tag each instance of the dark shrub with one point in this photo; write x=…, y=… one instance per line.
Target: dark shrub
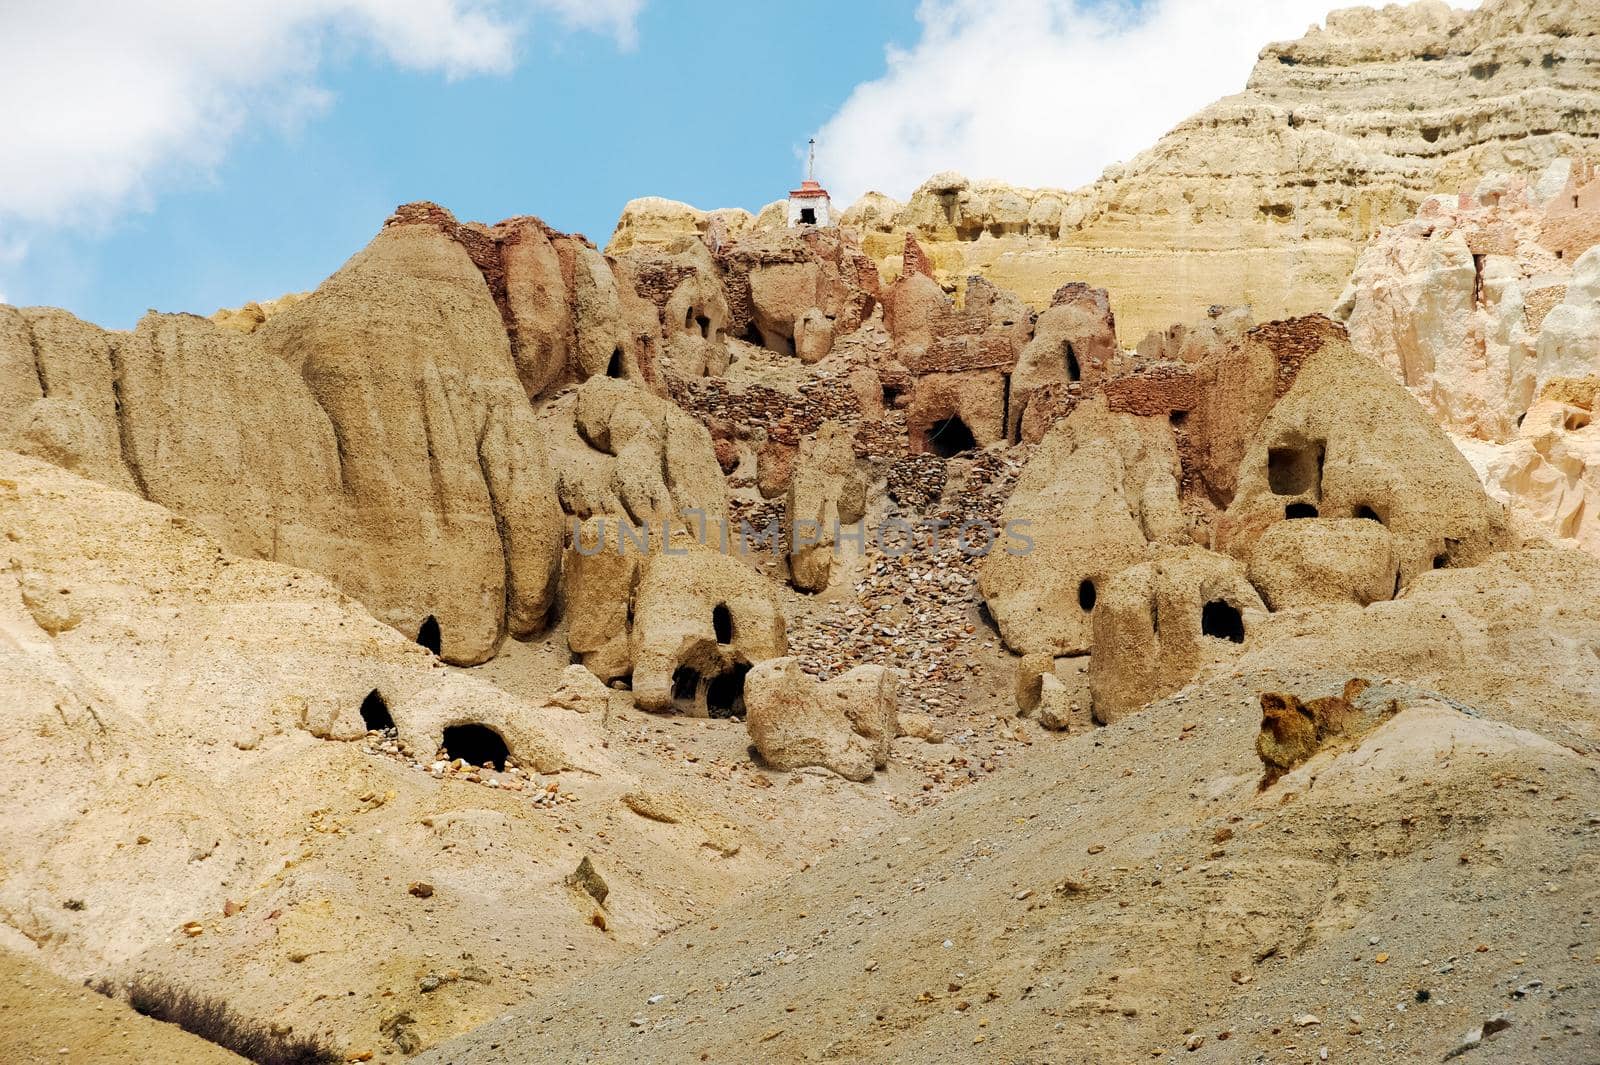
x=212, y=1020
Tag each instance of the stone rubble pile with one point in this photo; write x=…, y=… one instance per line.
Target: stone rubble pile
x=542, y=794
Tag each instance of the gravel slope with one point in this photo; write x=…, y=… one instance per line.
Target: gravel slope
x=1129, y=893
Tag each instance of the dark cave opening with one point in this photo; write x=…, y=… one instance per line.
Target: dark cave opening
x=725, y=693
x=685, y=684
x=476, y=745
x=950, y=436
x=1293, y=471
x=429, y=636
x=375, y=712
x=1222, y=620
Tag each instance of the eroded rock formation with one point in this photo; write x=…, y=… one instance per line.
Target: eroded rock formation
x=1161, y=623
x=496, y=440
x=844, y=724
x=1486, y=306
x=1266, y=197
x=1100, y=488
x=375, y=431
x=1281, y=447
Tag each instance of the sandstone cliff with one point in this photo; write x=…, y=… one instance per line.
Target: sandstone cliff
x=1487, y=307
x=1266, y=197
x=380, y=430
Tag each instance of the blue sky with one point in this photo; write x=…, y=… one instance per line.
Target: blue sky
x=710, y=107
x=193, y=154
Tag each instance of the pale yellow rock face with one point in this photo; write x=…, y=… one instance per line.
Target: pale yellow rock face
x=1548, y=474
x=1266, y=198
x=1160, y=622
x=375, y=432
x=619, y=451
x=655, y=220
x=1098, y=490
x=701, y=619
x=827, y=492
x=253, y=315
x=1453, y=303
x=1346, y=442
x=1471, y=308
x=844, y=725
x=200, y=780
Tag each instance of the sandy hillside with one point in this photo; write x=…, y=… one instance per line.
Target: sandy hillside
x=1130, y=893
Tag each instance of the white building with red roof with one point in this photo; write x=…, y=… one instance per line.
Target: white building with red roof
x=809, y=204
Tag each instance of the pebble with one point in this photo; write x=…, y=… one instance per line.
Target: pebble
x=913, y=613
x=1495, y=1024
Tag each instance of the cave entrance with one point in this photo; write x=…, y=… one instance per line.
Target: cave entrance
x=1222, y=620
x=1299, y=510
x=429, y=636
x=475, y=744
x=614, y=367
x=704, y=324
x=722, y=623
x=685, y=684
x=725, y=693
x=1294, y=471
x=1087, y=594
x=375, y=713
x=1074, y=371
x=775, y=342
x=950, y=436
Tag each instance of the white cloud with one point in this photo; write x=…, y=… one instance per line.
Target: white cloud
x=1045, y=92
x=102, y=100
x=12, y=252
x=616, y=17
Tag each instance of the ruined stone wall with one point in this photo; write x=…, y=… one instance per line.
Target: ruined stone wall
x=1572, y=218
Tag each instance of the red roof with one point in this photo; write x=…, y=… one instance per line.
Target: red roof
x=808, y=190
